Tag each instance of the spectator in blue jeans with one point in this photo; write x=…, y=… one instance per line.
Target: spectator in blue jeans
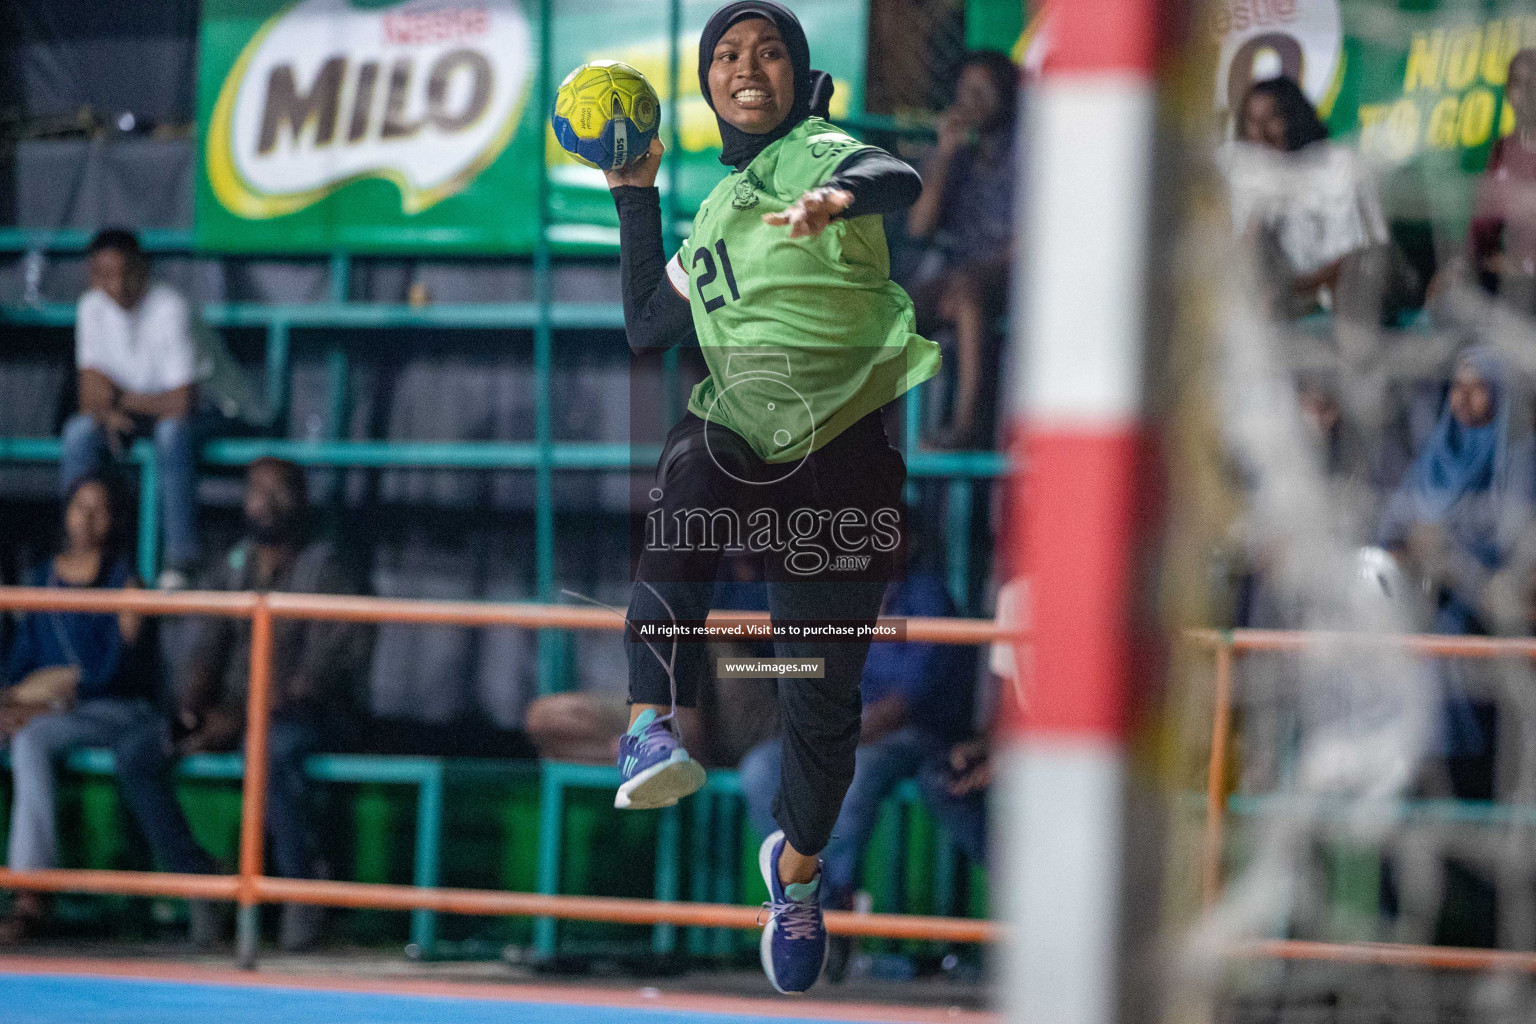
x=138, y=367
x=918, y=703
x=75, y=679
x=315, y=668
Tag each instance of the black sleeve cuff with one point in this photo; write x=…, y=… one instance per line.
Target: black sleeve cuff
x=880, y=183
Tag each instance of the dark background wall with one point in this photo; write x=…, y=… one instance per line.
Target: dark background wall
x=65, y=55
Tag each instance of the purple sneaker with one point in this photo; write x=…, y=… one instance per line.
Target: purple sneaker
x=794, y=944
x=654, y=770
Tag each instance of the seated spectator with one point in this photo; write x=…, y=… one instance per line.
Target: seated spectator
x=955, y=785
x=1465, y=504
x=1349, y=474
x=732, y=717
x=1503, y=236
x=966, y=212
x=918, y=701
x=1355, y=470
x=1311, y=204
x=585, y=727
x=316, y=666
x=138, y=367
x=1313, y=214
x=76, y=679
x=1462, y=521
x=1353, y=473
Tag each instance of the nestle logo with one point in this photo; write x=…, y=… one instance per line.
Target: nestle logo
x=1241, y=15
x=444, y=25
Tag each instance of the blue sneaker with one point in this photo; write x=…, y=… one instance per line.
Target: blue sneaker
x=656, y=772
x=794, y=944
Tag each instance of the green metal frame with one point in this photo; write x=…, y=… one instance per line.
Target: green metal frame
x=427, y=774
x=556, y=778
x=714, y=810
x=544, y=455
x=713, y=861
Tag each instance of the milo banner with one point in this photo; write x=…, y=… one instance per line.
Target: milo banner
x=414, y=126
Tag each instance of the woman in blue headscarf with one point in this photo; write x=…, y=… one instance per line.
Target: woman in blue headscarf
x=1458, y=517
x=1467, y=496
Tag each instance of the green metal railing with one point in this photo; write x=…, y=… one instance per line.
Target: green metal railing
x=543, y=456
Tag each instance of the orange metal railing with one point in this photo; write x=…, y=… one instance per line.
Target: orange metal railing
x=1226, y=645
x=250, y=887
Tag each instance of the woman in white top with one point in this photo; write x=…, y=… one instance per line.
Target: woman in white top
x=1312, y=204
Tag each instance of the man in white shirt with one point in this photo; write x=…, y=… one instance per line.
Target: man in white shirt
x=138, y=370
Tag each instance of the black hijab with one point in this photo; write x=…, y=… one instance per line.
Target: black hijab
x=813, y=89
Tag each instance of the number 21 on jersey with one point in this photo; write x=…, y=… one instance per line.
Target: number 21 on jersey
x=711, y=271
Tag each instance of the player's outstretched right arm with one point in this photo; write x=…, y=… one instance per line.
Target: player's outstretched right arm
x=656, y=312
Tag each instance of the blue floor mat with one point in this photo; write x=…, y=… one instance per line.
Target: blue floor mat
x=61, y=999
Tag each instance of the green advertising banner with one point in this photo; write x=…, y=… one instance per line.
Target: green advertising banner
x=414, y=126
x=1418, y=86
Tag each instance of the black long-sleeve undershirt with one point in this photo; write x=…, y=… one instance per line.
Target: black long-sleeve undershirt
x=655, y=315
x=880, y=183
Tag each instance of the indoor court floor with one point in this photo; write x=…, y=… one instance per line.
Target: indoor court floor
x=43, y=990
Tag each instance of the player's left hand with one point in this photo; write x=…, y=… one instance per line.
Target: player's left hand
x=813, y=211
x=641, y=171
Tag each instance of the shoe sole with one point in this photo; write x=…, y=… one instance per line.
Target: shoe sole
x=661, y=785
x=765, y=944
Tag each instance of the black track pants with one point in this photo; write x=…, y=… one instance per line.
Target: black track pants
x=841, y=504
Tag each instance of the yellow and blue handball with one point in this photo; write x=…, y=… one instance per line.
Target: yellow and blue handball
x=606, y=114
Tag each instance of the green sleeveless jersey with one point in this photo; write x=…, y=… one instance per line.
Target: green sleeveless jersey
x=803, y=337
